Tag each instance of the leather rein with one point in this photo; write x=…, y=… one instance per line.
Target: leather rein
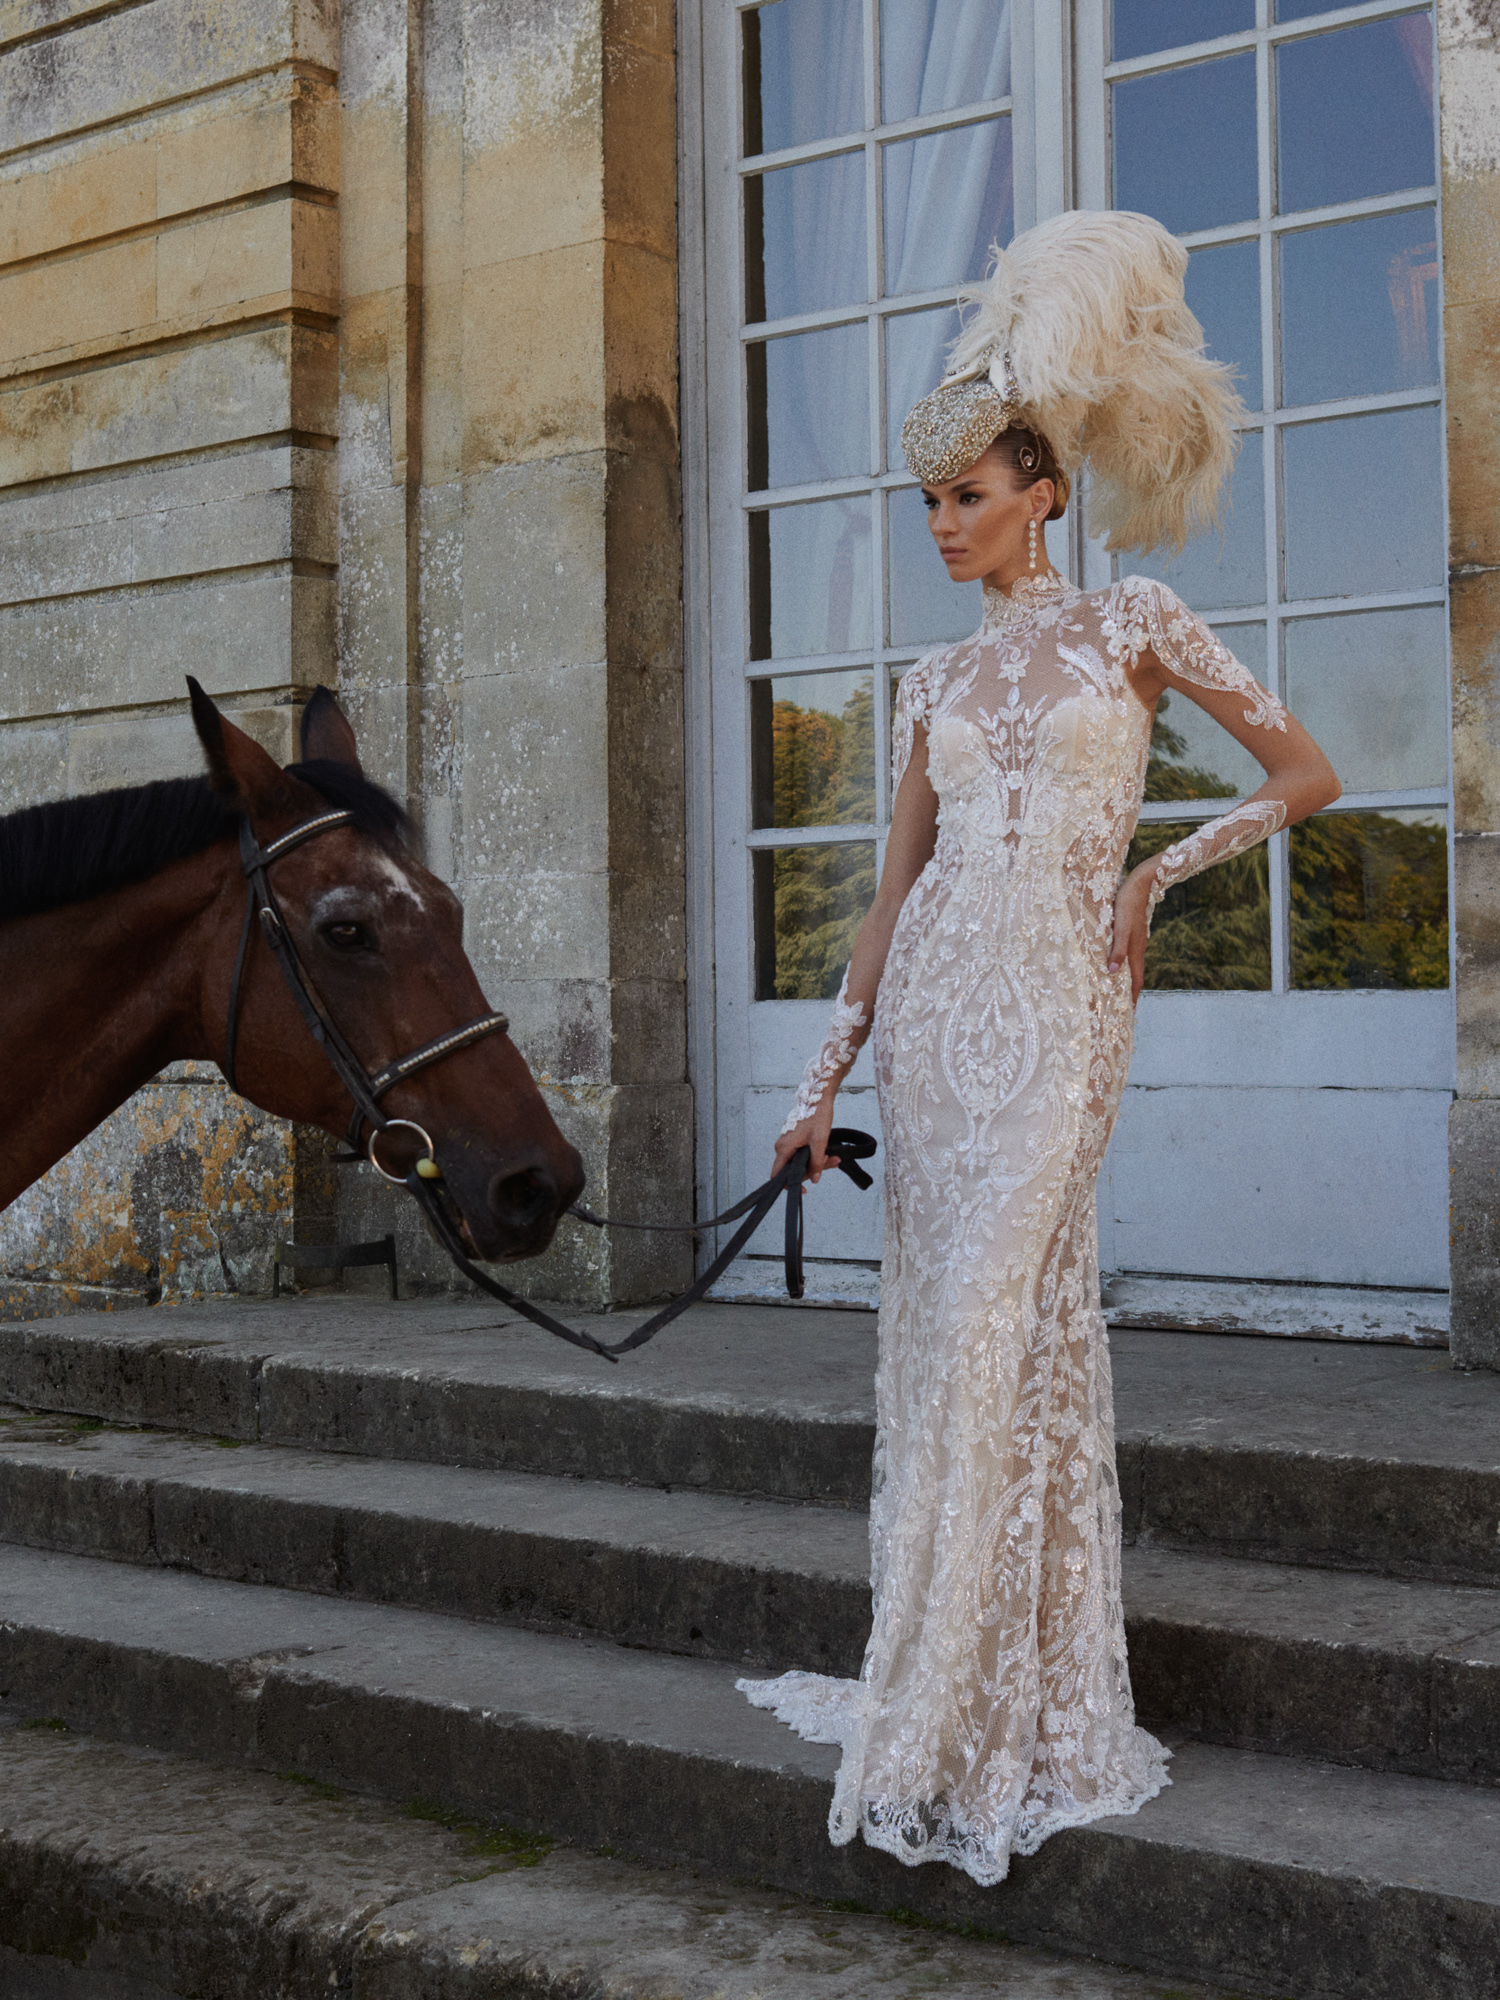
x=424, y=1181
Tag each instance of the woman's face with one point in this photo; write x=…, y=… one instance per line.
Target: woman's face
x=980, y=520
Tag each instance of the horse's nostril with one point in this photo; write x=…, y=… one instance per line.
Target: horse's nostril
x=523, y=1198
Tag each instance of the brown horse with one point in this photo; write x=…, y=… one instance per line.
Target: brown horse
x=120, y=920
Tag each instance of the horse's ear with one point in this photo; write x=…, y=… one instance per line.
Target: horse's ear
x=326, y=733
x=237, y=766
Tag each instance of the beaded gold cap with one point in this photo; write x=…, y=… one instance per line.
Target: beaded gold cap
x=946, y=431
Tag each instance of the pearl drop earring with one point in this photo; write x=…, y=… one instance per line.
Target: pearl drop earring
x=1031, y=542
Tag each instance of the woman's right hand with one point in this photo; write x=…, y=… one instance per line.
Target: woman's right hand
x=813, y=1133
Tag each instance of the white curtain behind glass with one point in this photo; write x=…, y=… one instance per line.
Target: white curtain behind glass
x=935, y=54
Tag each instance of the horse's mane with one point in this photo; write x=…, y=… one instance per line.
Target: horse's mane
x=77, y=848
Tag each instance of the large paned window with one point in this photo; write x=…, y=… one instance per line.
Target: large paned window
x=1293, y=149
x=876, y=167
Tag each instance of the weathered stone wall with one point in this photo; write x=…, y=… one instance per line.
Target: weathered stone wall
x=1469, y=59
x=343, y=349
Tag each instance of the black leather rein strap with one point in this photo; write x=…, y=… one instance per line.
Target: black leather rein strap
x=426, y=1188
x=851, y=1146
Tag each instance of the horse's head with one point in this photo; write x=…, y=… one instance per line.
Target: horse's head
x=381, y=940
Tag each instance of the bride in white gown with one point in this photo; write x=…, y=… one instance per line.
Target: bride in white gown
x=994, y=1704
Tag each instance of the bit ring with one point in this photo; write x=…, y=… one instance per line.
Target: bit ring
x=390, y=1125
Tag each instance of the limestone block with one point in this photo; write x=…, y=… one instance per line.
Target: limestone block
x=155, y=544
x=440, y=606
x=372, y=224
x=291, y=139
x=138, y=749
x=534, y=357
x=1474, y=614
x=1469, y=77
x=538, y=925
x=366, y=451
x=247, y=385
x=52, y=204
x=1474, y=1161
x=648, y=1031
x=372, y=588
x=560, y=1026
x=106, y=291
x=252, y=253
x=36, y=431
x=182, y=1191
x=532, y=119
x=1471, y=238
x=124, y=62
x=1476, y=914
x=648, y=922
x=533, y=773
x=1471, y=336
x=267, y=630
x=33, y=764
x=534, y=565
x=640, y=140
x=160, y=490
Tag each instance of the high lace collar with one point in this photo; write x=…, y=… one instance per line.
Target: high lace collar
x=1026, y=596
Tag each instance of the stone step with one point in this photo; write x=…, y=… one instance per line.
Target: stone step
x=1336, y=1454
x=1260, y=1873
x=121, y=1866
x=1392, y=1674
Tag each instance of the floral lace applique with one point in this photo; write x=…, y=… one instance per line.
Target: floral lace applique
x=1234, y=833
x=846, y=1031
x=1145, y=615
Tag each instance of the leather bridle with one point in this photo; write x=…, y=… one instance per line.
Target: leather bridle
x=423, y=1182
x=365, y=1089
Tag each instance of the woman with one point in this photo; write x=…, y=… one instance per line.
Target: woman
x=994, y=1705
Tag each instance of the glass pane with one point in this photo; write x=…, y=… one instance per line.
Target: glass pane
x=925, y=606
x=1223, y=291
x=1228, y=564
x=812, y=750
x=1212, y=933
x=809, y=902
x=1354, y=113
x=1185, y=144
x=1191, y=756
x=948, y=197
x=805, y=238
x=810, y=580
x=1359, y=307
x=809, y=407
x=916, y=349
x=804, y=72
x=938, y=54
x=1373, y=689
x=1370, y=900
x=1141, y=27
x=1364, y=504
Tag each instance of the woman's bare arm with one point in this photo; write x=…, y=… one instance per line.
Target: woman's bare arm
x=908, y=849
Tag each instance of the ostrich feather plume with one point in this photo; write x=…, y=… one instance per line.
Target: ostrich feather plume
x=1110, y=368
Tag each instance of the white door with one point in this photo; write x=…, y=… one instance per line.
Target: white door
x=1287, y=1112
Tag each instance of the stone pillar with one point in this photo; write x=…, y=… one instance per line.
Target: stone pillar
x=510, y=556
x=1469, y=61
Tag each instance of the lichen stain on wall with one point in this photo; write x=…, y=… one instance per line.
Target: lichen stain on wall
x=181, y=1193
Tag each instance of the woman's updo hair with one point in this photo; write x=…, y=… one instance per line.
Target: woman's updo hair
x=1029, y=456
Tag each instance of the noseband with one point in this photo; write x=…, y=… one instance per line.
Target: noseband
x=365, y=1089
x=422, y=1183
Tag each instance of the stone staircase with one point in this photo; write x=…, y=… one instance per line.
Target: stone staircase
x=420, y=1553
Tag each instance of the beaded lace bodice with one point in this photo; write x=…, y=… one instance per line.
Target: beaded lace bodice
x=994, y=1706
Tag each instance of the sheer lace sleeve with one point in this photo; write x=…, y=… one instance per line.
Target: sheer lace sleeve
x=1147, y=616
x=913, y=696
x=834, y=1060
x=852, y=1018
x=1215, y=840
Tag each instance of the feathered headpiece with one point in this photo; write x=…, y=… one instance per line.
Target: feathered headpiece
x=1081, y=333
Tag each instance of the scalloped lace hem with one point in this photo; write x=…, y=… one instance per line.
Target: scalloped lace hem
x=822, y=1709
x=907, y=1833
x=819, y=1707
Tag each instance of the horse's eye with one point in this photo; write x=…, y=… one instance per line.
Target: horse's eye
x=348, y=936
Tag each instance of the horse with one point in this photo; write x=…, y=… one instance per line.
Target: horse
x=126, y=944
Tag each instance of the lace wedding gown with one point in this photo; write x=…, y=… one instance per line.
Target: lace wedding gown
x=994, y=1704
